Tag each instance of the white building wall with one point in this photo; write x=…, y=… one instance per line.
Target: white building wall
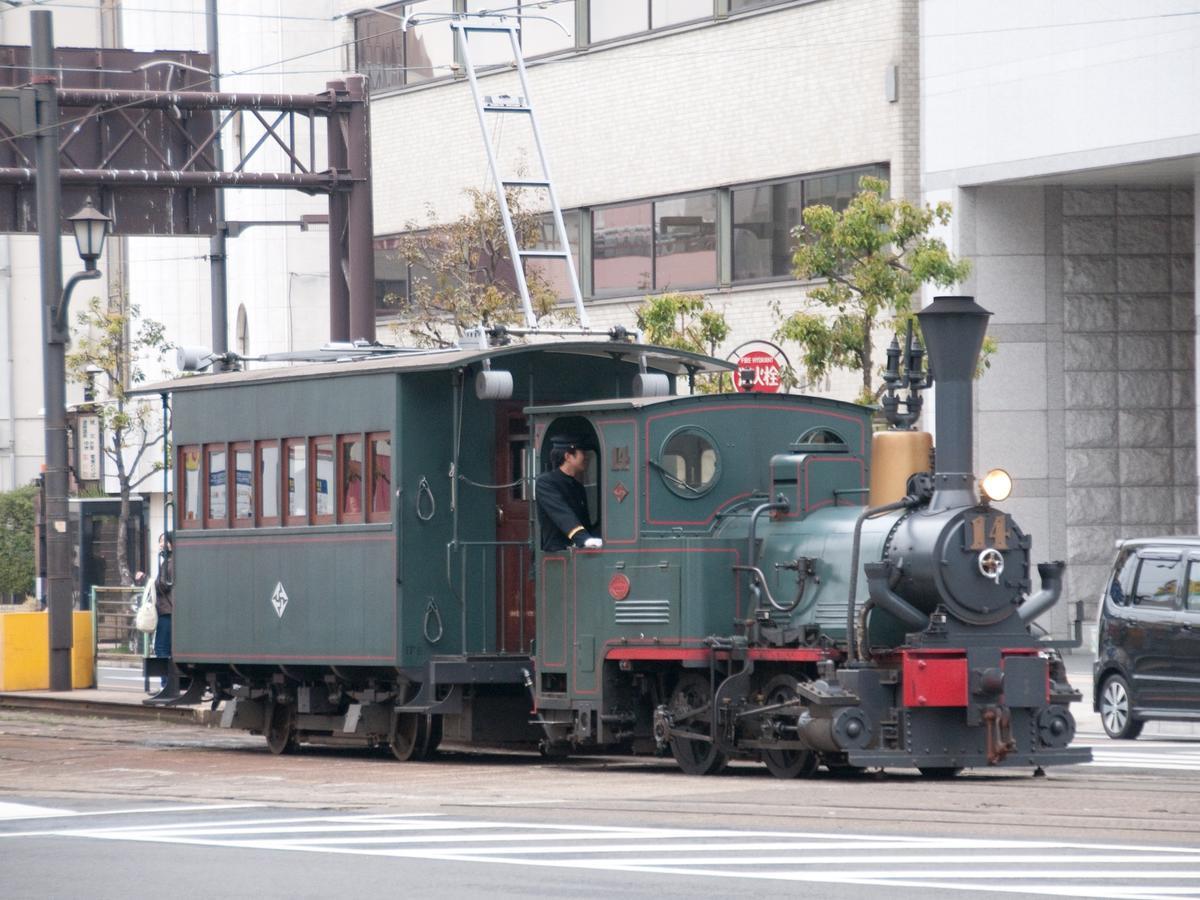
x=1028, y=88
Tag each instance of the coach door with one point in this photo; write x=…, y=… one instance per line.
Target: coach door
x=514, y=554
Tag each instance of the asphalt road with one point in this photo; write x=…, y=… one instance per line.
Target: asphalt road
x=139, y=808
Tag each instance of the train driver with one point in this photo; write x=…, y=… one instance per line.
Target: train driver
x=561, y=501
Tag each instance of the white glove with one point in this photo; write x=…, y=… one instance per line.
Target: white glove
x=593, y=543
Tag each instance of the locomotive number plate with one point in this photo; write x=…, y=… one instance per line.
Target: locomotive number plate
x=987, y=530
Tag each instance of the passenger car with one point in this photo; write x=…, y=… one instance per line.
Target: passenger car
x=1148, y=655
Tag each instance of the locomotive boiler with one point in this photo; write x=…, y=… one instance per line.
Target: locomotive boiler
x=357, y=561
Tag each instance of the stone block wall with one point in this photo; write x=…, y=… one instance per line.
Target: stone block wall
x=1128, y=417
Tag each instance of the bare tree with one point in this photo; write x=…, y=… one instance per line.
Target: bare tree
x=110, y=348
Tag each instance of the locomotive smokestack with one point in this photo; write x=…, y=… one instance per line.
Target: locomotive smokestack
x=953, y=328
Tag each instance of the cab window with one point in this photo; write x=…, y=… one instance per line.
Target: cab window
x=1158, y=583
x=690, y=464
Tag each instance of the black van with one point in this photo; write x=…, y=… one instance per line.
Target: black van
x=1148, y=658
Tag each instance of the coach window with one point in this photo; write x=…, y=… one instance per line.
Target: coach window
x=321, y=450
x=296, y=451
x=189, y=486
x=350, y=478
x=267, y=484
x=216, y=514
x=689, y=463
x=379, y=475
x=243, y=485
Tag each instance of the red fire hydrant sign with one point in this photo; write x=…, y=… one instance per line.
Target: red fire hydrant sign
x=766, y=372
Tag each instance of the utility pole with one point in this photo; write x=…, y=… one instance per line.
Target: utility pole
x=216, y=244
x=49, y=203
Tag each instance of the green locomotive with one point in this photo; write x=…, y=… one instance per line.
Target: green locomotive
x=357, y=562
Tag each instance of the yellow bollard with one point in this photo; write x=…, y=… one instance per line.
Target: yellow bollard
x=25, y=651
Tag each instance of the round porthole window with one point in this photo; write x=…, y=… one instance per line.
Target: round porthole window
x=689, y=462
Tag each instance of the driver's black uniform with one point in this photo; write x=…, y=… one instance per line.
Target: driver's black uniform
x=562, y=510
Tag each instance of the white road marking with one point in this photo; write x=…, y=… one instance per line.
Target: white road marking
x=22, y=811
x=1048, y=868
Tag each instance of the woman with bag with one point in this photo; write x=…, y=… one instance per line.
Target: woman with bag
x=164, y=604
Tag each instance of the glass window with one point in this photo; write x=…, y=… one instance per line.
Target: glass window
x=763, y=219
x=1158, y=583
x=380, y=50
x=838, y=189
x=825, y=437
x=391, y=277
x=189, y=486
x=297, y=481
x=685, y=242
x=381, y=477
x=322, y=480
x=671, y=12
x=350, y=479
x=268, y=483
x=622, y=245
x=541, y=36
x=243, y=485
x=429, y=46
x=739, y=5
x=554, y=271
x=690, y=465
x=1120, y=589
x=1193, y=587
x=616, y=18
x=218, y=487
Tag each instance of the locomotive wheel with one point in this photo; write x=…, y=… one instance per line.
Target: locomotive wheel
x=691, y=705
x=409, y=740
x=1116, y=710
x=939, y=771
x=281, y=729
x=786, y=763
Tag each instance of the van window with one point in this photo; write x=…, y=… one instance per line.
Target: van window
x=1121, y=587
x=1158, y=583
x=1193, y=587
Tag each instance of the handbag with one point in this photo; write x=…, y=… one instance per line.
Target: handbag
x=146, y=618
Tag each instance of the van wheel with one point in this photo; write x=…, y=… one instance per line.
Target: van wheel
x=1116, y=710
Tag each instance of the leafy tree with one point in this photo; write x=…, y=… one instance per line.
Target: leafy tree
x=17, y=553
x=685, y=322
x=873, y=256
x=108, y=347
x=462, y=273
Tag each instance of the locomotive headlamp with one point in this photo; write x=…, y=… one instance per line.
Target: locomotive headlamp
x=996, y=485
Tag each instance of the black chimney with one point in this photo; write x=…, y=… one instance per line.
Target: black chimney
x=953, y=329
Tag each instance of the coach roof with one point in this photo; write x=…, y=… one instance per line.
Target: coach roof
x=662, y=359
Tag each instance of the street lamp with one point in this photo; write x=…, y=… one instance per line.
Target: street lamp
x=91, y=228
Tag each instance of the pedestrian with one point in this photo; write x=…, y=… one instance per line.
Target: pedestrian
x=561, y=500
x=164, y=603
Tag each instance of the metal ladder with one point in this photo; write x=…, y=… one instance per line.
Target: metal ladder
x=506, y=105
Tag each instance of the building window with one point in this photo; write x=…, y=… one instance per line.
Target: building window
x=685, y=242
x=392, y=58
x=765, y=216
x=663, y=245
x=554, y=271
x=673, y=12
x=763, y=219
x=623, y=248
x=550, y=27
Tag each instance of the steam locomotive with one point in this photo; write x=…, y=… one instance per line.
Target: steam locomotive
x=357, y=562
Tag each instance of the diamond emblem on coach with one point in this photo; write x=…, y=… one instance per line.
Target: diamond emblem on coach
x=279, y=599
x=620, y=492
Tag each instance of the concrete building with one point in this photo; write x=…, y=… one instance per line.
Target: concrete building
x=684, y=137
x=1067, y=135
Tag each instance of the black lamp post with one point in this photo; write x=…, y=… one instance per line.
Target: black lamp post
x=91, y=227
